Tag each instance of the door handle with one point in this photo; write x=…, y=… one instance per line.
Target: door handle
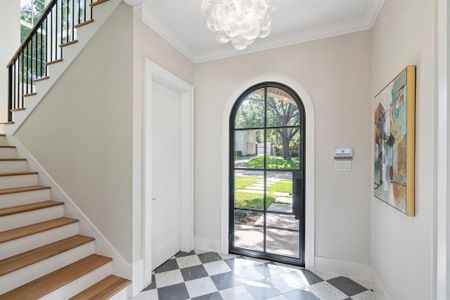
x=154, y=198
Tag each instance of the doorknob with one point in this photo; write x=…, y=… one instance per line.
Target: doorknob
x=154, y=199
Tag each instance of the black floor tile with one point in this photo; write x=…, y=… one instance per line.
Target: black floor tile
x=152, y=285
x=173, y=292
x=311, y=277
x=194, y=272
x=225, y=280
x=347, y=286
x=209, y=257
x=300, y=295
x=169, y=265
x=183, y=254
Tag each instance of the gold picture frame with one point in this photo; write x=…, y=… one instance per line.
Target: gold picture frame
x=394, y=142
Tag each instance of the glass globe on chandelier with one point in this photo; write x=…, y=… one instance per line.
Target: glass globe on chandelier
x=238, y=21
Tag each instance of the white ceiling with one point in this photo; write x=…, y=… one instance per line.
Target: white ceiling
x=182, y=24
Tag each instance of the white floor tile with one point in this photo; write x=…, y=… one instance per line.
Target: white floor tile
x=367, y=295
x=216, y=267
x=200, y=287
x=147, y=295
x=188, y=261
x=234, y=293
x=326, y=291
x=168, y=278
x=288, y=282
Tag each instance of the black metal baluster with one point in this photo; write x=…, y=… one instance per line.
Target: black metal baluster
x=56, y=30
x=26, y=68
x=62, y=29
x=13, y=86
x=73, y=20
x=9, y=94
x=31, y=64
x=67, y=19
x=22, y=78
x=92, y=11
x=42, y=51
x=84, y=10
x=46, y=45
x=79, y=11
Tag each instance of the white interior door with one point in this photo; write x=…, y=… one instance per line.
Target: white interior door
x=166, y=175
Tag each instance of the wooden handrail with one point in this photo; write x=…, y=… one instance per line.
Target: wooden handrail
x=35, y=28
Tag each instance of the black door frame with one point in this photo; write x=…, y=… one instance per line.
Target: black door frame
x=299, y=184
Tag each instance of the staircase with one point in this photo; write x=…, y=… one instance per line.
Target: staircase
x=42, y=254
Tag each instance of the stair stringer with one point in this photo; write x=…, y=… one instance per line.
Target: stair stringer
x=84, y=34
x=86, y=227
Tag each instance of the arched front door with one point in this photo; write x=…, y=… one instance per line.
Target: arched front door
x=267, y=174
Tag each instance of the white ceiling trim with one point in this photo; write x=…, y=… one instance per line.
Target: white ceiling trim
x=312, y=34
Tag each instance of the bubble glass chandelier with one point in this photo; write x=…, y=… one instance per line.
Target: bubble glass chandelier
x=240, y=22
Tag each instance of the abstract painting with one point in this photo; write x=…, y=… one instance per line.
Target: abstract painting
x=394, y=141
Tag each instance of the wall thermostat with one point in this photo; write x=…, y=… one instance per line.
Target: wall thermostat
x=343, y=153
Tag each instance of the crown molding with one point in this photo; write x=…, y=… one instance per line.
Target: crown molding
x=272, y=42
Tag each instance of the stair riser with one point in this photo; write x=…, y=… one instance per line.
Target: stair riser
x=13, y=166
x=18, y=181
x=122, y=295
x=16, y=199
x=82, y=283
x=3, y=141
x=20, y=277
x=7, y=152
x=27, y=243
x=31, y=217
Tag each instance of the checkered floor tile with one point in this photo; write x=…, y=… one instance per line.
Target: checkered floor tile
x=209, y=275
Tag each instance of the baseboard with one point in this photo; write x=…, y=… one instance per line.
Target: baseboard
x=102, y=246
x=377, y=286
x=138, y=282
x=207, y=244
x=345, y=268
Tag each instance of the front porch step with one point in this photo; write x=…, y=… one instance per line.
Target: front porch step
x=104, y=289
x=65, y=282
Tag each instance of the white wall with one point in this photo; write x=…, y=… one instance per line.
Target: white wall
x=81, y=132
x=148, y=44
x=335, y=72
x=10, y=40
x=402, y=247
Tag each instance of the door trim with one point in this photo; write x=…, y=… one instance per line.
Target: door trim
x=309, y=153
x=155, y=73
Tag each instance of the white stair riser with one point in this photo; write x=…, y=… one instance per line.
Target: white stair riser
x=18, y=181
x=122, y=295
x=7, y=152
x=13, y=166
x=24, y=244
x=79, y=285
x=16, y=199
x=20, y=277
x=3, y=141
x=31, y=217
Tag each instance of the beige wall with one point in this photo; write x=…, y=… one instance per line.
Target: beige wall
x=335, y=73
x=402, y=247
x=81, y=131
x=10, y=37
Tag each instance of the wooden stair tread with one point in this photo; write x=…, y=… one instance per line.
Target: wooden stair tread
x=83, y=23
x=68, y=43
x=23, y=189
x=7, y=211
x=41, y=78
x=46, y=284
x=7, y=146
x=13, y=234
x=30, y=94
x=103, y=289
x=54, y=61
x=98, y=2
x=17, y=109
x=5, y=174
x=25, y=259
x=7, y=123
x=13, y=159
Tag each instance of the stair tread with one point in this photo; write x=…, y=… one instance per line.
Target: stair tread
x=54, y=280
x=13, y=234
x=83, y=23
x=98, y=2
x=13, y=159
x=7, y=146
x=103, y=289
x=23, y=189
x=28, y=207
x=4, y=174
x=25, y=259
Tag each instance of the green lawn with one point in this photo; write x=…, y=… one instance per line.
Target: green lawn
x=284, y=186
x=273, y=162
x=253, y=200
